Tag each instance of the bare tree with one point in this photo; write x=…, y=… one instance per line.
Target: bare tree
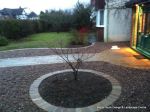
x=74, y=57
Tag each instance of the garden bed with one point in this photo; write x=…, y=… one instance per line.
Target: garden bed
x=62, y=90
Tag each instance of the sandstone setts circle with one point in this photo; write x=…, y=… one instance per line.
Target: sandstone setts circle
x=41, y=103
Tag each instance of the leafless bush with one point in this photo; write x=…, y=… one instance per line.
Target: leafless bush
x=74, y=57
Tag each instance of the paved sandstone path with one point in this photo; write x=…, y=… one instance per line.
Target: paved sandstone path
x=123, y=56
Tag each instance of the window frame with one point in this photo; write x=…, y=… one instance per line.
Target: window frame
x=100, y=18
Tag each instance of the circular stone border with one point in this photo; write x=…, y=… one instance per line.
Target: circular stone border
x=40, y=102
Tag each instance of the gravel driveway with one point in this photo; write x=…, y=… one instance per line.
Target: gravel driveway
x=98, y=47
x=15, y=83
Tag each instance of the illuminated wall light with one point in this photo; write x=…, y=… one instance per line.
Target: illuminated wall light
x=140, y=20
x=115, y=47
x=136, y=5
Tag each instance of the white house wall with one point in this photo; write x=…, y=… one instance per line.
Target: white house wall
x=117, y=21
x=119, y=25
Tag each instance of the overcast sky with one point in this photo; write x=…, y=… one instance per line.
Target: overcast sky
x=40, y=5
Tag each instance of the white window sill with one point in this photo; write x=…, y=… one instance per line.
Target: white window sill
x=100, y=26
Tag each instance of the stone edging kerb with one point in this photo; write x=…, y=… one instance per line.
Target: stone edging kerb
x=40, y=102
x=46, y=48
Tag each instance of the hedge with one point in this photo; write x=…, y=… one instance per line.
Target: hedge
x=3, y=41
x=17, y=29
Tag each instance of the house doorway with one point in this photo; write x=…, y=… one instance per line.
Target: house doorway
x=100, y=34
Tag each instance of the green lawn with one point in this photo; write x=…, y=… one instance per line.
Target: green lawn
x=40, y=40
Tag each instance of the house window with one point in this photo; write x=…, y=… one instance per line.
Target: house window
x=144, y=20
x=100, y=18
x=147, y=23
x=143, y=37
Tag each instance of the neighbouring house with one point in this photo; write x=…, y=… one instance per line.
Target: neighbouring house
x=140, y=36
x=33, y=16
x=8, y=13
x=113, y=20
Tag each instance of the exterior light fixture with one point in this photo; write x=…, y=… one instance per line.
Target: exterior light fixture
x=136, y=5
x=115, y=47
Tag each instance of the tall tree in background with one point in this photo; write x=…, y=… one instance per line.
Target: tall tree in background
x=57, y=20
x=82, y=14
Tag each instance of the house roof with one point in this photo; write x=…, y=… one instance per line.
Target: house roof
x=32, y=14
x=12, y=12
x=133, y=2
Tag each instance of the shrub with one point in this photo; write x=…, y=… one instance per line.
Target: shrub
x=3, y=41
x=75, y=39
x=79, y=36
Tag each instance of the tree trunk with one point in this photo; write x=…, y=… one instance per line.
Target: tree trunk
x=75, y=73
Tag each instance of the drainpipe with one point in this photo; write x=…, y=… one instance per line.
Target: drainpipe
x=107, y=23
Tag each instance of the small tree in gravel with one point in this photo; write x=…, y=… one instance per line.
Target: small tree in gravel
x=74, y=57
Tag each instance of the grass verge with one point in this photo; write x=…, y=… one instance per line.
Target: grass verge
x=41, y=40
